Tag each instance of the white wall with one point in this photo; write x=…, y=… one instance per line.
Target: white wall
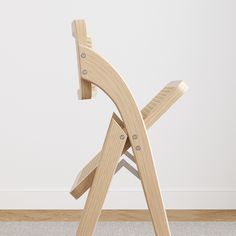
x=47, y=135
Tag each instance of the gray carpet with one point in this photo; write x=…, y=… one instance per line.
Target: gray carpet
x=116, y=229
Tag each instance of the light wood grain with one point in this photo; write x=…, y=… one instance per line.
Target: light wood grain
x=80, y=34
x=95, y=70
x=111, y=151
x=163, y=101
x=85, y=178
x=117, y=215
x=105, y=77
x=150, y=113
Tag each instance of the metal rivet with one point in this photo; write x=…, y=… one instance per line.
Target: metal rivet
x=83, y=55
x=122, y=137
x=135, y=136
x=138, y=148
x=84, y=72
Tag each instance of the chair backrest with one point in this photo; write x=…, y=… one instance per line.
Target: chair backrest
x=79, y=32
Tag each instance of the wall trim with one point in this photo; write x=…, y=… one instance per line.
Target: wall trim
x=117, y=215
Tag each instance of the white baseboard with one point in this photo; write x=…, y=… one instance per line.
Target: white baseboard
x=118, y=199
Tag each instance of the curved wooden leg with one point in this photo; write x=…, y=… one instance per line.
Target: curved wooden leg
x=147, y=173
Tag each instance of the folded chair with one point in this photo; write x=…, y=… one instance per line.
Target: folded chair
x=128, y=130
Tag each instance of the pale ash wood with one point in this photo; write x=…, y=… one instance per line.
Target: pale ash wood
x=95, y=70
x=117, y=215
x=150, y=113
x=85, y=178
x=80, y=34
x=163, y=101
x=93, y=87
x=100, y=73
x=111, y=151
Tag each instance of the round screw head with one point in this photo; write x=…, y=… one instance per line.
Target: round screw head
x=135, y=136
x=122, y=137
x=83, y=55
x=138, y=148
x=84, y=72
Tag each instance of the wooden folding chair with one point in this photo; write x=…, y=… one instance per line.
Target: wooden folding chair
x=123, y=133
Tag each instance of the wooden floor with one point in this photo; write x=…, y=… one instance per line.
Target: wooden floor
x=117, y=215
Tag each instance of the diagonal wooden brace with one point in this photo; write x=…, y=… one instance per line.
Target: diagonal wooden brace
x=110, y=154
x=150, y=113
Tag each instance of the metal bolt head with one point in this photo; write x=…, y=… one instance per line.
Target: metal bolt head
x=138, y=148
x=83, y=55
x=122, y=137
x=135, y=136
x=84, y=72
